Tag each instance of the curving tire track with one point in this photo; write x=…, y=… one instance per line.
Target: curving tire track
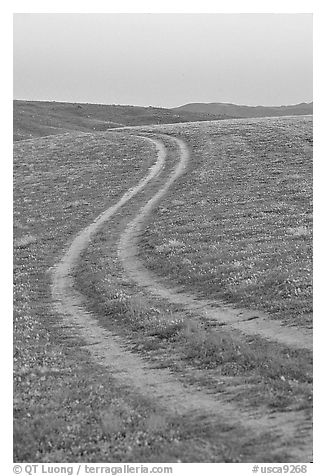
x=129, y=369
x=248, y=322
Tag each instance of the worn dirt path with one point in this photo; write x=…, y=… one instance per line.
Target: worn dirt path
x=246, y=321
x=292, y=429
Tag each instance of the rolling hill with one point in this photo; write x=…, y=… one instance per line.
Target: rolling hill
x=234, y=110
x=41, y=118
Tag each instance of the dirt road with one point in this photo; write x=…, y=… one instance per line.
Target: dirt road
x=130, y=369
x=249, y=322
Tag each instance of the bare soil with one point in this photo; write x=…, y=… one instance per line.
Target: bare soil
x=292, y=429
x=244, y=320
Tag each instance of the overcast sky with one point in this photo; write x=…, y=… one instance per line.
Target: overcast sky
x=163, y=59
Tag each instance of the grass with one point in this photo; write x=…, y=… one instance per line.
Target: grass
x=56, y=419
x=70, y=410
x=281, y=377
x=177, y=246
x=42, y=118
x=238, y=225
x=25, y=241
x=67, y=408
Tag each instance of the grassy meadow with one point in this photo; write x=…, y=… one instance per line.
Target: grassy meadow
x=67, y=408
x=238, y=225
x=253, y=372
x=42, y=118
x=262, y=375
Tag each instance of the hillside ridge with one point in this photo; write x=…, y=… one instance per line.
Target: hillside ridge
x=235, y=110
x=41, y=118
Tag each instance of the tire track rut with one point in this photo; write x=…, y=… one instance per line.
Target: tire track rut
x=161, y=385
x=246, y=321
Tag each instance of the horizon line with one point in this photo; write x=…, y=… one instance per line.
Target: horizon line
x=159, y=107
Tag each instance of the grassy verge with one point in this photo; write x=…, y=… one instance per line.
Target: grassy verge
x=61, y=400
x=41, y=118
x=238, y=225
x=66, y=408
x=69, y=410
x=249, y=370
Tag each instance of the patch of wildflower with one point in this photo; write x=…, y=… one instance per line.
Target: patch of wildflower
x=244, y=229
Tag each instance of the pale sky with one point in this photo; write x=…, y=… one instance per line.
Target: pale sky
x=163, y=59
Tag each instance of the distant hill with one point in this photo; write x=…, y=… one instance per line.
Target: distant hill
x=41, y=118
x=234, y=110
